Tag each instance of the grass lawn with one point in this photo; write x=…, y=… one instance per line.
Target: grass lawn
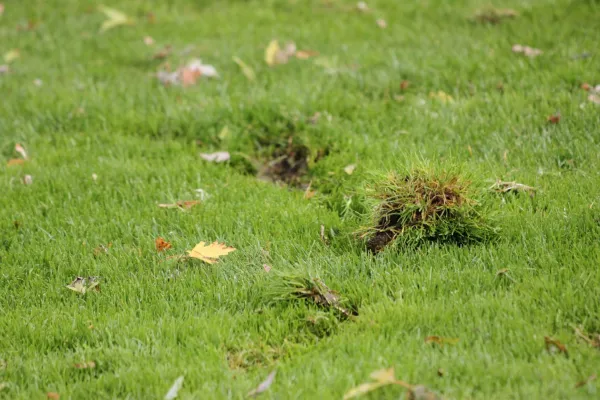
x=107, y=143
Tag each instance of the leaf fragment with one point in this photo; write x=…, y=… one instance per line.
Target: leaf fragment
x=526, y=50
x=210, y=253
x=246, y=69
x=15, y=161
x=174, y=389
x=441, y=340
x=161, y=244
x=52, y=396
x=11, y=55
x=349, y=169
x=382, y=377
x=27, y=180
x=592, y=340
x=586, y=381
x=275, y=55
x=554, y=118
x=86, y=365
x=182, y=204
x=267, y=267
x=148, y=41
x=263, y=386
x=21, y=150
x=381, y=23
x=554, y=346
x=218, y=157
x=114, y=18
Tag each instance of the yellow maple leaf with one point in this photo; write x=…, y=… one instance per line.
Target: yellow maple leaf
x=271, y=53
x=211, y=253
x=115, y=18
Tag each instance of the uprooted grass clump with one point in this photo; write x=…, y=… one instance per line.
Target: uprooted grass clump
x=422, y=206
x=294, y=287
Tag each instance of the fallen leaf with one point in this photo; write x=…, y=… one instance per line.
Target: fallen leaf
x=586, y=87
x=594, y=98
x=263, y=386
x=505, y=187
x=102, y=249
x=1, y=8
x=442, y=96
x=38, y=82
x=586, y=381
x=420, y=392
x=246, y=69
x=494, y=15
x=441, y=340
x=306, y=54
x=381, y=23
x=168, y=78
x=204, y=69
x=210, y=253
x=218, y=157
x=404, y=85
x=27, y=180
x=174, y=390
x=183, y=204
x=163, y=53
x=4, y=69
x=188, y=77
x=593, y=341
x=203, y=194
x=349, y=169
x=381, y=377
x=161, y=244
x=362, y=6
x=21, y=150
x=52, y=396
x=553, y=346
x=267, y=267
x=15, y=161
x=275, y=55
x=86, y=365
x=94, y=177
x=148, y=41
x=115, y=18
x=11, y=55
x=84, y=285
x=526, y=50
x=554, y=119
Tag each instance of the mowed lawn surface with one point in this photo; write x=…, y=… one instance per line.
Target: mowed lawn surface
x=100, y=110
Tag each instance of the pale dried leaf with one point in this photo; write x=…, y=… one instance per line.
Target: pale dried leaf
x=174, y=390
x=594, y=98
x=4, y=69
x=505, y=187
x=211, y=253
x=21, y=150
x=263, y=386
x=305, y=54
x=386, y=375
x=271, y=53
x=420, y=392
x=148, y=41
x=168, y=78
x=86, y=365
x=526, y=50
x=204, y=69
x=362, y=389
x=267, y=267
x=349, y=169
x=381, y=23
x=27, y=180
x=219, y=156
x=115, y=18
x=11, y=55
x=1, y=9
x=182, y=204
x=246, y=69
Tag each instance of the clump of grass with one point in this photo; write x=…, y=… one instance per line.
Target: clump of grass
x=294, y=287
x=424, y=206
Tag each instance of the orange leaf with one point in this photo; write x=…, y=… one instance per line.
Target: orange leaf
x=52, y=396
x=441, y=340
x=553, y=119
x=15, y=161
x=553, y=346
x=162, y=244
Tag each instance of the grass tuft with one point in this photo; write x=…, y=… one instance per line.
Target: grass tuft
x=424, y=206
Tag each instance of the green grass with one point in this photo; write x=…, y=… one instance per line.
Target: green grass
x=100, y=111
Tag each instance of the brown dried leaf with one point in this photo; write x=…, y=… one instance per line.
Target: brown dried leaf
x=494, y=15
x=553, y=346
x=404, y=85
x=554, y=119
x=182, y=204
x=306, y=54
x=52, y=396
x=263, y=386
x=161, y=244
x=586, y=381
x=1, y=8
x=211, y=253
x=441, y=340
x=85, y=365
x=162, y=53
